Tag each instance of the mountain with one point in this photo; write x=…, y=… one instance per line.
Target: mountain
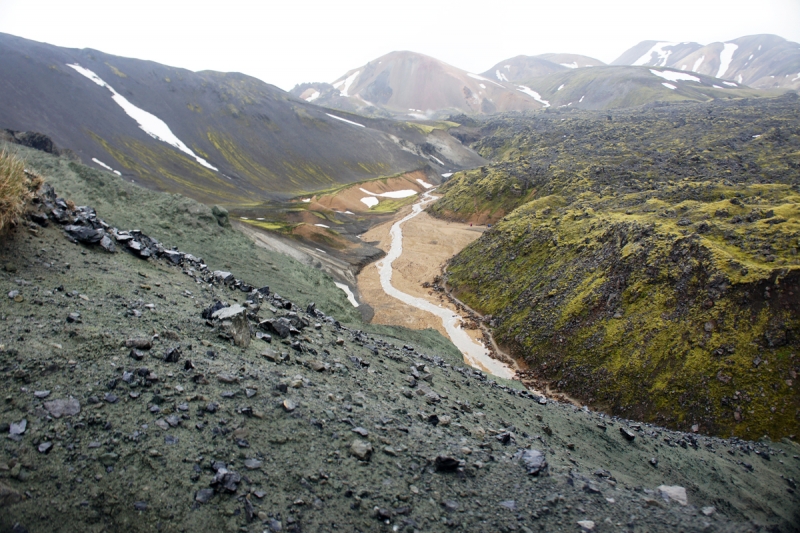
x=419, y=86
x=615, y=87
x=524, y=68
x=126, y=408
x=759, y=61
x=645, y=260
x=217, y=137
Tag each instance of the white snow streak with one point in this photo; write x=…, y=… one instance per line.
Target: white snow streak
x=669, y=86
x=797, y=78
x=347, y=82
x=574, y=64
x=105, y=166
x=560, y=87
x=345, y=120
x=447, y=174
x=500, y=75
x=322, y=226
x=350, y=296
x=533, y=94
x=672, y=75
x=658, y=48
x=730, y=83
x=698, y=63
x=149, y=123
x=424, y=183
x=725, y=58
x=582, y=97
x=313, y=96
x=475, y=76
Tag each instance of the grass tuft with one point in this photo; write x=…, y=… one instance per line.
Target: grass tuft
x=16, y=189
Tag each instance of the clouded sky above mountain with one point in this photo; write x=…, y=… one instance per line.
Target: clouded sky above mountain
x=285, y=43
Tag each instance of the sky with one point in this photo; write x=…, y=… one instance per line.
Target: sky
x=289, y=42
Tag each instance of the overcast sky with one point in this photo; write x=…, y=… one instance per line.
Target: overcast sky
x=293, y=41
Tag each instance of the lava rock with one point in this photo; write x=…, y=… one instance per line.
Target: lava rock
x=533, y=461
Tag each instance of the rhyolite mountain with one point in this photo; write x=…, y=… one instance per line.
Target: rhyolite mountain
x=415, y=85
x=759, y=61
x=407, y=84
x=217, y=137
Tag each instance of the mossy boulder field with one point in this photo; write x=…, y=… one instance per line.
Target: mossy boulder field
x=645, y=261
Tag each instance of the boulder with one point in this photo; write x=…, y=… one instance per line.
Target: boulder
x=233, y=324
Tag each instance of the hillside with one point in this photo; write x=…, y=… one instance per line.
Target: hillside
x=615, y=87
x=128, y=410
x=524, y=68
x=217, y=137
x=758, y=61
x=645, y=261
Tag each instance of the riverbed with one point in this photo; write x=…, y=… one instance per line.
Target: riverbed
x=423, y=310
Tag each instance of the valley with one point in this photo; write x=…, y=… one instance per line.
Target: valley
x=555, y=295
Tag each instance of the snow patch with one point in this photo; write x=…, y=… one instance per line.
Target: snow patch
x=739, y=78
x=730, y=83
x=482, y=86
x=347, y=82
x=149, y=123
x=797, y=78
x=391, y=194
x=475, y=76
x=306, y=200
x=424, y=183
x=370, y=201
x=500, y=75
x=345, y=120
x=574, y=64
x=322, y=226
x=533, y=94
x=658, y=49
x=350, y=296
x=698, y=63
x=725, y=58
x=672, y=75
x=560, y=87
x=669, y=86
x=756, y=136
x=313, y=96
x=717, y=87
x=447, y=174
x=582, y=97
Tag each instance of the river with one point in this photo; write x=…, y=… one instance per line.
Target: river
x=475, y=354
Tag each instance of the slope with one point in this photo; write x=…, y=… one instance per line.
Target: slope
x=646, y=264
x=523, y=68
x=225, y=138
x=613, y=87
x=330, y=428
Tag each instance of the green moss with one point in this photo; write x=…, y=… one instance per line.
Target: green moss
x=644, y=267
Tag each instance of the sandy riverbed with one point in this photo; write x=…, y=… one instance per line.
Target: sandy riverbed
x=427, y=243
